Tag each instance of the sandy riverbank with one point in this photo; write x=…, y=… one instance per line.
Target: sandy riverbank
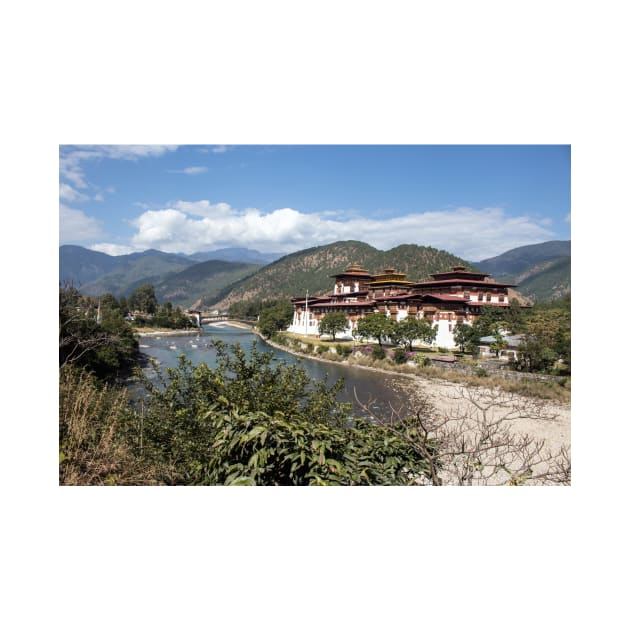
x=539, y=419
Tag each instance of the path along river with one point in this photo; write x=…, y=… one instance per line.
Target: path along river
x=377, y=387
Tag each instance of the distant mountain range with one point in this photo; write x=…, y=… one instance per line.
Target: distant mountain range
x=236, y=254
x=221, y=277
x=541, y=271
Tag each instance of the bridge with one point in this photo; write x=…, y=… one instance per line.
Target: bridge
x=207, y=317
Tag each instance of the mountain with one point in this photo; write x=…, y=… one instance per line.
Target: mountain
x=236, y=254
x=541, y=271
x=94, y=270
x=310, y=269
x=78, y=265
x=517, y=260
x=200, y=284
x=546, y=281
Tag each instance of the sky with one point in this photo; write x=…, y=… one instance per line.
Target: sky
x=475, y=201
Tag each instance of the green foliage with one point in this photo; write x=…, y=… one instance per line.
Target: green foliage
x=143, y=299
x=378, y=353
x=249, y=421
x=104, y=348
x=343, y=351
x=333, y=323
x=400, y=356
x=375, y=326
x=169, y=317
x=466, y=336
x=411, y=329
x=274, y=318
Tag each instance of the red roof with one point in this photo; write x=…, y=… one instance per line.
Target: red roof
x=463, y=281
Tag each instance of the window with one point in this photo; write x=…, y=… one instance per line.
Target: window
x=502, y=298
x=466, y=295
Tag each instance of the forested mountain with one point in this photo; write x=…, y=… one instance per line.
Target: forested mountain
x=519, y=259
x=83, y=267
x=546, y=281
x=310, y=269
x=541, y=271
x=200, y=284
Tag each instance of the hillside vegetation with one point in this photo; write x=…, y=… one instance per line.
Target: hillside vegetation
x=541, y=271
x=311, y=269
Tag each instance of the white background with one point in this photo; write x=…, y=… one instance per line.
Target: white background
x=290, y=72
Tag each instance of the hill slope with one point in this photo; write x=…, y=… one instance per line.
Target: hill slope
x=310, y=269
x=517, y=260
x=546, y=281
x=541, y=271
x=200, y=284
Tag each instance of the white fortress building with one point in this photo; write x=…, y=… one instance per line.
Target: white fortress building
x=449, y=298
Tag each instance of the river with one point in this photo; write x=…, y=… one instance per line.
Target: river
x=381, y=390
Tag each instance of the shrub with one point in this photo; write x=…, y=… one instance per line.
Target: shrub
x=378, y=353
x=400, y=356
x=343, y=351
x=309, y=348
x=422, y=360
x=321, y=349
x=481, y=372
x=253, y=422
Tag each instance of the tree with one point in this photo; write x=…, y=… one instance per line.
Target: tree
x=143, y=299
x=274, y=318
x=409, y=330
x=375, y=326
x=103, y=347
x=333, y=323
x=547, y=338
x=466, y=336
x=499, y=342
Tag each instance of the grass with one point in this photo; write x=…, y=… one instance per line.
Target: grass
x=92, y=445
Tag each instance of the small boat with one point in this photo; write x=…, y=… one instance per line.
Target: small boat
x=173, y=347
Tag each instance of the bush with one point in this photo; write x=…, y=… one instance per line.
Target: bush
x=343, y=351
x=422, y=360
x=481, y=372
x=309, y=348
x=321, y=349
x=378, y=353
x=400, y=356
x=251, y=422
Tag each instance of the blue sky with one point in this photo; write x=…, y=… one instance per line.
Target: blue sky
x=473, y=201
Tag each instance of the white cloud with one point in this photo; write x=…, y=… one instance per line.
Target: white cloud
x=568, y=218
x=75, y=225
x=220, y=149
x=71, y=157
x=112, y=249
x=70, y=194
x=192, y=170
x=473, y=234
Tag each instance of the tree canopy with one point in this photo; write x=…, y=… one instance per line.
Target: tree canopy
x=333, y=323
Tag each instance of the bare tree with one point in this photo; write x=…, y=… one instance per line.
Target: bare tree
x=476, y=443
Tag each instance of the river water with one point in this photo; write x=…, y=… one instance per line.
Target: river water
x=383, y=391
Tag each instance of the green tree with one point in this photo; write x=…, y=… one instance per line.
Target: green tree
x=411, y=329
x=375, y=326
x=143, y=299
x=104, y=348
x=333, y=323
x=274, y=318
x=466, y=336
